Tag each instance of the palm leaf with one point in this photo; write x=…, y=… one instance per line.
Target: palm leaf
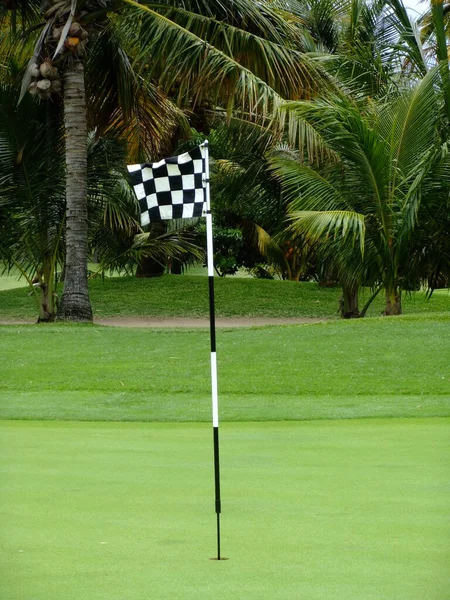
x=320, y=226
x=122, y=103
x=288, y=71
x=409, y=125
x=273, y=20
x=197, y=67
x=65, y=29
x=306, y=188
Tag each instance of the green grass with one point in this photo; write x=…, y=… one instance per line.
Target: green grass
x=9, y=282
x=314, y=507
x=365, y=368
x=343, y=510
x=188, y=296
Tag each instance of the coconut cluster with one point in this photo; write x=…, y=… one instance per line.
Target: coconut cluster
x=75, y=42
x=45, y=79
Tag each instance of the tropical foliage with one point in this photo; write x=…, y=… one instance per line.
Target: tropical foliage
x=32, y=202
x=372, y=190
x=116, y=63
x=328, y=126
x=376, y=189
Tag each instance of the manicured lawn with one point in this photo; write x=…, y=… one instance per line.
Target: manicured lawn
x=365, y=368
x=343, y=510
x=314, y=507
x=187, y=296
x=9, y=282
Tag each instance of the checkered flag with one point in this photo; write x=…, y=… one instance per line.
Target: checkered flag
x=173, y=188
x=178, y=188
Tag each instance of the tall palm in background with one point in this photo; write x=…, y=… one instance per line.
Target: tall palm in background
x=381, y=180
x=32, y=201
x=125, y=58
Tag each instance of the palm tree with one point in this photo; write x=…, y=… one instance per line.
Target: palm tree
x=205, y=51
x=32, y=203
x=381, y=179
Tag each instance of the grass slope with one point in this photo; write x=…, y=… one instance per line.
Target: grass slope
x=188, y=296
x=331, y=370
x=343, y=510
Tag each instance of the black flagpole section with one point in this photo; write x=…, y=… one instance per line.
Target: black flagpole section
x=212, y=322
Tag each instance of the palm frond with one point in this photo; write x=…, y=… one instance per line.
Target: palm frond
x=123, y=104
x=320, y=226
x=401, y=22
x=306, y=188
x=409, y=124
x=197, y=67
x=284, y=66
x=272, y=20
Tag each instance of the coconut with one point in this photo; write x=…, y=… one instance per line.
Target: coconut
x=44, y=85
x=32, y=88
x=34, y=70
x=48, y=71
x=75, y=30
x=81, y=48
x=71, y=43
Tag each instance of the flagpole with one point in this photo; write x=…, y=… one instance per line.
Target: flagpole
x=212, y=321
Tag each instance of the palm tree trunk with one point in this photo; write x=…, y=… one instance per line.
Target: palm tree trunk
x=75, y=304
x=349, y=302
x=47, y=289
x=393, y=304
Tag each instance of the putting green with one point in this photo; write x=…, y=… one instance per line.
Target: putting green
x=326, y=510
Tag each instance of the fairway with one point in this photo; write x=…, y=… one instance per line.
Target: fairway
x=331, y=370
x=314, y=507
x=343, y=510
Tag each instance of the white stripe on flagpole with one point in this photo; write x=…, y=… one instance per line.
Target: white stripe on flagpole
x=215, y=400
x=209, y=230
x=210, y=262
x=209, y=244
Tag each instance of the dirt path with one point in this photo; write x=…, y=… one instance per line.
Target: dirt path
x=200, y=322
x=189, y=323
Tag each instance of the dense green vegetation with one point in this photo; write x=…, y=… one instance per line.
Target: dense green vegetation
x=374, y=209
x=106, y=69
x=353, y=98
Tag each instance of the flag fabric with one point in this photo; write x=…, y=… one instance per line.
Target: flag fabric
x=173, y=188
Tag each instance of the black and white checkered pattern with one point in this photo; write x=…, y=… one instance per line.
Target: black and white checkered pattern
x=173, y=188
